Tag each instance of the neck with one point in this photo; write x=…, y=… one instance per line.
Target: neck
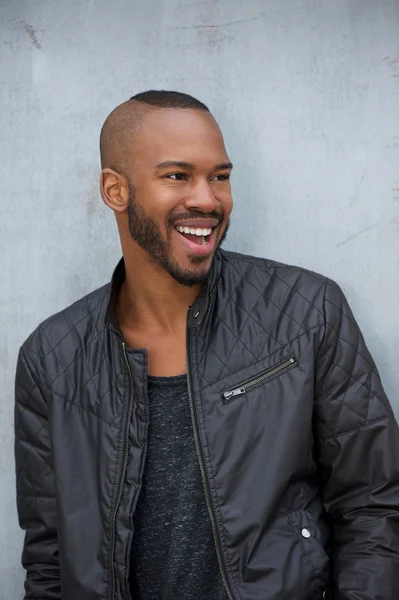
x=150, y=298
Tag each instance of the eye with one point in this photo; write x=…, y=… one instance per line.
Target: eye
x=222, y=177
x=177, y=176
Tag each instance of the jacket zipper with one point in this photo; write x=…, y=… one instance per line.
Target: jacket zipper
x=203, y=475
x=239, y=391
x=122, y=478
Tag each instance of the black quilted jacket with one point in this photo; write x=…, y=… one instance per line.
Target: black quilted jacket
x=296, y=440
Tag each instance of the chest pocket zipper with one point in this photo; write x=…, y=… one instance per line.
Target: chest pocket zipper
x=246, y=387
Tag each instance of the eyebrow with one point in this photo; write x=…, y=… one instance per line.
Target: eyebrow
x=186, y=165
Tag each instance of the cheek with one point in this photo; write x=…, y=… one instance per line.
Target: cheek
x=226, y=201
x=159, y=199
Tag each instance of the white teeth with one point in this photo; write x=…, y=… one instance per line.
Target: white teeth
x=192, y=231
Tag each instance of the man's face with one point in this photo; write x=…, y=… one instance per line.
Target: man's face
x=179, y=192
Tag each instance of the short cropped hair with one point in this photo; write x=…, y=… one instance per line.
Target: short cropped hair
x=169, y=99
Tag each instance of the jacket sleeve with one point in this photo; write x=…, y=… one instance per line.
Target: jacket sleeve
x=35, y=487
x=357, y=445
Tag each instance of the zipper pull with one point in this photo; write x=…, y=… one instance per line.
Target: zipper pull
x=232, y=393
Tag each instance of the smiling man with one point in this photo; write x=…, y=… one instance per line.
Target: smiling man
x=209, y=425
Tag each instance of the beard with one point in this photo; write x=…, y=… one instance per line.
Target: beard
x=147, y=234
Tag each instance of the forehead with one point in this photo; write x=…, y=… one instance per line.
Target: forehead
x=179, y=134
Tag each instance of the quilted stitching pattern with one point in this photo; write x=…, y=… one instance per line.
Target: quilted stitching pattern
x=75, y=351
x=35, y=485
x=263, y=319
x=350, y=393
x=263, y=307
x=33, y=428
x=259, y=308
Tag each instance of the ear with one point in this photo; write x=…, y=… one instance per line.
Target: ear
x=114, y=190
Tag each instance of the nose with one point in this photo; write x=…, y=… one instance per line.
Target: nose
x=202, y=198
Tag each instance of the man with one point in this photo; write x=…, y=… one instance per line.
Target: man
x=210, y=425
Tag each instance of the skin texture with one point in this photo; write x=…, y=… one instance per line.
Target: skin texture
x=163, y=274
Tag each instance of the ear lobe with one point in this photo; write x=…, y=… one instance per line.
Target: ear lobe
x=114, y=190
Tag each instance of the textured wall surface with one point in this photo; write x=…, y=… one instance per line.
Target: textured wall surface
x=307, y=94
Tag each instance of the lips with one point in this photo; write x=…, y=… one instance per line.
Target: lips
x=207, y=223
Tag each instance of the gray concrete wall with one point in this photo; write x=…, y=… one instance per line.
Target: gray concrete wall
x=307, y=94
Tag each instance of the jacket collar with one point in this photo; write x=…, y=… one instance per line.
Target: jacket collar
x=118, y=277
x=197, y=310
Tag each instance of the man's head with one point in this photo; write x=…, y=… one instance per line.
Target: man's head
x=166, y=176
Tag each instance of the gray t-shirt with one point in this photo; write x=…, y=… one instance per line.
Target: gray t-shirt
x=173, y=552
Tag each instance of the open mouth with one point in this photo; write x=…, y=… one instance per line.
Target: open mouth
x=196, y=235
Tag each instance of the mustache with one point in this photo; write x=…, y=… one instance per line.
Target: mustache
x=183, y=216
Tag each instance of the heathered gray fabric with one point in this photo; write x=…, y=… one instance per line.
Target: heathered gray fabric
x=173, y=553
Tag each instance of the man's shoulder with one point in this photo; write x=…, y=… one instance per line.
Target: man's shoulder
x=284, y=300
x=84, y=318
x=259, y=271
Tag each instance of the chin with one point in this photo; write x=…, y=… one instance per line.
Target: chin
x=189, y=276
